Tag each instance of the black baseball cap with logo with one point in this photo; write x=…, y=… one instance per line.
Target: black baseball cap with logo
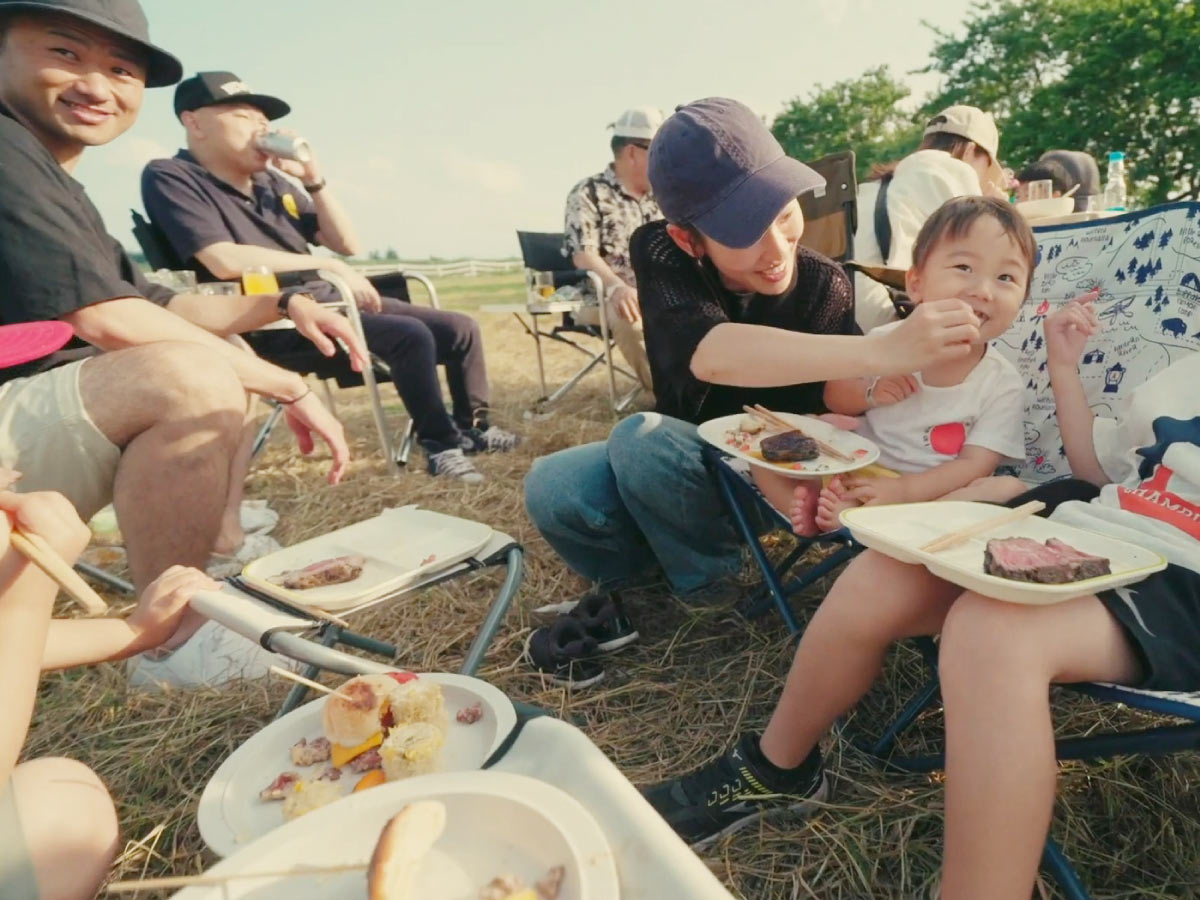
x=122, y=17
x=215, y=88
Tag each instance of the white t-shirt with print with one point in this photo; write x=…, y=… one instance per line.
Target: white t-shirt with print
x=1151, y=452
x=930, y=427
x=922, y=182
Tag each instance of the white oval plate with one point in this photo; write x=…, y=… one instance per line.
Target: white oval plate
x=900, y=531
x=230, y=814
x=723, y=434
x=496, y=823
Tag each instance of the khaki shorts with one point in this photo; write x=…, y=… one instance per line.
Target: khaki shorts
x=47, y=436
x=18, y=880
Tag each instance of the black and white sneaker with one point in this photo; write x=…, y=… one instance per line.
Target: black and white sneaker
x=566, y=652
x=454, y=464
x=732, y=792
x=604, y=619
x=489, y=440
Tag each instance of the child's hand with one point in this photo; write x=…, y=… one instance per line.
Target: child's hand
x=1069, y=328
x=45, y=513
x=164, y=602
x=891, y=389
x=874, y=491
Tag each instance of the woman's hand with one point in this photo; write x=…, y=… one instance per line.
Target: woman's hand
x=935, y=332
x=1068, y=329
x=163, y=604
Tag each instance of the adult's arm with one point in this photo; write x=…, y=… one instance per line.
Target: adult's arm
x=228, y=260
x=592, y=260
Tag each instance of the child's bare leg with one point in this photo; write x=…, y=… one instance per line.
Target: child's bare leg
x=69, y=825
x=843, y=647
x=991, y=489
x=997, y=663
x=830, y=504
x=795, y=498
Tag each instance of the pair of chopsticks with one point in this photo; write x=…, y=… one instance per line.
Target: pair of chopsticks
x=181, y=881
x=35, y=549
x=954, y=538
x=763, y=414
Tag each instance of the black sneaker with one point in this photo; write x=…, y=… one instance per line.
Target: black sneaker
x=566, y=652
x=604, y=619
x=731, y=793
x=492, y=439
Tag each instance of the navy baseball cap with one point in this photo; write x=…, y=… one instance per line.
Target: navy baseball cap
x=716, y=166
x=122, y=17
x=216, y=88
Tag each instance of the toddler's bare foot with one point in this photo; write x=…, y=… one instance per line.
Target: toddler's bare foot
x=803, y=508
x=830, y=504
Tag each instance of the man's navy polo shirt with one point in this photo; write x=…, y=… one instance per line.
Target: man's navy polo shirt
x=55, y=254
x=195, y=209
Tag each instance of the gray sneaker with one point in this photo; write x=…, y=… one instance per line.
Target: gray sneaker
x=454, y=464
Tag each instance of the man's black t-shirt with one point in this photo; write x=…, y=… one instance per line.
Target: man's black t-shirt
x=683, y=299
x=55, y=254
x=196, y=209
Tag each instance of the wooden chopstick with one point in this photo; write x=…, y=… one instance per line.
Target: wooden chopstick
x=778, y=422
x=954, y=538
x=307, y=682
x=179, y=881
x=35, y=549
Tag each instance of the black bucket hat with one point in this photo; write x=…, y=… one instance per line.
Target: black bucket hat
x=122, y=17
x=214, y=88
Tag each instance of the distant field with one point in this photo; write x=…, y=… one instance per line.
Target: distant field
x=469, y=293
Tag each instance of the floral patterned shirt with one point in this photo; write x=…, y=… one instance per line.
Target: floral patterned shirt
x=601, y=216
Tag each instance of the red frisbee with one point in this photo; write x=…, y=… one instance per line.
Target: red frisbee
x=27, y=341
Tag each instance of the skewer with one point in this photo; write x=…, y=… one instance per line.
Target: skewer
x=954, y=538
x=317, y=612
x=35, y=549
x=775, y=421
x=308, y=682
x=180, y=881
x=1072, y=191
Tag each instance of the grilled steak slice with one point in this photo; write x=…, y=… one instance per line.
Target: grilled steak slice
x=791, y=446
x=1089, y=566
x=338, y=570
x=309, y=753
x=1024, y=559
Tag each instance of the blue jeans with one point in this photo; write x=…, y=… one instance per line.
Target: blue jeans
x=613, y=509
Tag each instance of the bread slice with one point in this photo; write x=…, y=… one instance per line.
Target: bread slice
x=405, y=839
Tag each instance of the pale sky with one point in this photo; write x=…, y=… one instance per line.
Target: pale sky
x=445, y=126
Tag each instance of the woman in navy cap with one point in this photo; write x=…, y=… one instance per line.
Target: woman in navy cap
x=736, y=312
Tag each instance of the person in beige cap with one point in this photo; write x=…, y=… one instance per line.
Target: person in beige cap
x=958, y=157
x=603, y=211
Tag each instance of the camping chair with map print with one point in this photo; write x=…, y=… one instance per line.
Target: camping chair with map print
x=1147, y=266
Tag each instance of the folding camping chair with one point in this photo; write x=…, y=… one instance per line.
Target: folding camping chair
x=306, y=635
x=160, y=255
x=544, y=252
x=831, y=212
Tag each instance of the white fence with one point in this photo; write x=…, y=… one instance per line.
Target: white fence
x=467, y=267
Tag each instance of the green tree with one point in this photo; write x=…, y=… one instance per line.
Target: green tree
x=862, y=114
x=1094, y=75
x=391, y=255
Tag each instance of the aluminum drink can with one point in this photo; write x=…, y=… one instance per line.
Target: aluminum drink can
x=284, y=146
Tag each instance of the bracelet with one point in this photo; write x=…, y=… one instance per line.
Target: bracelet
x=871, y=392
x=316, y=188
x=307, y=391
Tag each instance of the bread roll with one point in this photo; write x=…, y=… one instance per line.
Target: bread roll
x=352, y=721
x=406, y=838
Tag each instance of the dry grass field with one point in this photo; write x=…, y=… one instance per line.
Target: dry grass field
x=670, y=702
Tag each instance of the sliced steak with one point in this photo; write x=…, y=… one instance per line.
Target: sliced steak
x=1024, y=559
x=1089, y=566
x=791, y=446
x=309, y=753
x=338, y=570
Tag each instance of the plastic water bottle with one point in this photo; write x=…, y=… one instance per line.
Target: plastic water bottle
x=1114, y=185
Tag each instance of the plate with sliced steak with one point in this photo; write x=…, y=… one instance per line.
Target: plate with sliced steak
x=791, y=453
x=1033, y=561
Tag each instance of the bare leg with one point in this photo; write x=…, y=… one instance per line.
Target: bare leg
x=875, y=602
x=230, y=535
x=69, y=825
x=176, y=411
x=992, y=489
x=998, y=661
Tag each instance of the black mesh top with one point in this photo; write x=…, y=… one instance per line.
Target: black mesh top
x=683, y=299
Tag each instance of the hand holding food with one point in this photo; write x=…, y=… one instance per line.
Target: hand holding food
x=937, y=331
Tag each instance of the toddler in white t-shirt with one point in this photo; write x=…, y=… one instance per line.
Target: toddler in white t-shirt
x=947, y=427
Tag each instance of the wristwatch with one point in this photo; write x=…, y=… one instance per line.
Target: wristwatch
x=284, y=299
x=315, y=188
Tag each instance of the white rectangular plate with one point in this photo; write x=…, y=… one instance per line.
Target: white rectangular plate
x=723, y=433
x=401, y=547
x=900, y=531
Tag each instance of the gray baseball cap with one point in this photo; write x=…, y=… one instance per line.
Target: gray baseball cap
x=716, y=166
x=122, y=17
